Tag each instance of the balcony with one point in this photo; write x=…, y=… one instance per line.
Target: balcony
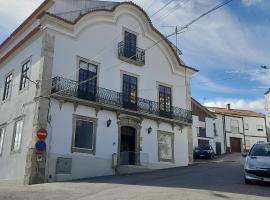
x=136, y=57
x=112, y=100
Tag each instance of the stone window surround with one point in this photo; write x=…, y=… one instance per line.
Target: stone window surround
x=21, y=118
x=159, y=132
x=29, y=59
x=83, y=118
x=11, y=85
x=3, y=133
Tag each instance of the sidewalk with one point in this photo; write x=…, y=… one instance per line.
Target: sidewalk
x=233, y=157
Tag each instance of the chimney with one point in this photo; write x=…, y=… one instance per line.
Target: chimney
x=228, y=106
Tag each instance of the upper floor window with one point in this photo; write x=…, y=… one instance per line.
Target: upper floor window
x=165, y=100
x=202, y=132
x=17, y=135
x=130, y=84
x=246, y=126
x=1, y=139
x=130, y=45
x=7, y=87
x=259, y=127
x=87, y=80
x=84, y=134
x=25, y=74
x=235, y=126
x=215, y=129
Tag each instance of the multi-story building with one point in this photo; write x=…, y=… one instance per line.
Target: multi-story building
x=103, y=82
x=206, y=129
x=242, y=128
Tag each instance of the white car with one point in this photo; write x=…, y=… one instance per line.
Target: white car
x=257, y=165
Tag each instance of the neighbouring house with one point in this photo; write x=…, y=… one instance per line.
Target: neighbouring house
x=242, y=128
x=103, y=83
x=206, y=129
x=267, y=109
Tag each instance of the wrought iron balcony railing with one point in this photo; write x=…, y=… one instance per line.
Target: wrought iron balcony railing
x=70, y=88
x=136, y=56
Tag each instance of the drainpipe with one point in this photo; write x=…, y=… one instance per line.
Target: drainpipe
x=224, y=133
x=244, y=133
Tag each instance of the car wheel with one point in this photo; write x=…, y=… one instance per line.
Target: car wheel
x=247, y=181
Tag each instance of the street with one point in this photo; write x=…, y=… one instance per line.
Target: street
x=215, y=180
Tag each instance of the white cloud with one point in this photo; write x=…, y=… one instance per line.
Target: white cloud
x=251, y=2
x=213, y=85
x=217, y=38
x=13, y=12
x=254, y=105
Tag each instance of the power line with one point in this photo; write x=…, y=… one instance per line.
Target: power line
x=167, y=4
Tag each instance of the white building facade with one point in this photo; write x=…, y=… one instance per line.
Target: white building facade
x=102, y=81
x=207, y=129
x=242, y=128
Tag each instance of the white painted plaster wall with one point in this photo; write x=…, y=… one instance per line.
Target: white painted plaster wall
x=20, y=103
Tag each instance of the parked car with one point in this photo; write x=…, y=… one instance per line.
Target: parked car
x=204, y=151
x=257, y=165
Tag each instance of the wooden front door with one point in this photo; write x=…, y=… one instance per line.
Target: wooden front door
x=235, y=144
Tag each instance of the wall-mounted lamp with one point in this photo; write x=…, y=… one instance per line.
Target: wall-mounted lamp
x=149, y=130
x=109, y=122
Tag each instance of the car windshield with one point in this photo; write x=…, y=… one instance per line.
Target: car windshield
x=260, y=150
x=203, y=147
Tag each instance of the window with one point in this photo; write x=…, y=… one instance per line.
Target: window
x=202, y=132
x=84, y=134
x=1, y=139
x=259, y=127
x=247, y=144
x=235, y=126
x=17, y=136
x=166, y=146
x=130, y=45
x=87, y=80
x=215, y=129
x=7, y=87
x=25, y=74
x=165, y=100
x=246, y=126
x=130, y=85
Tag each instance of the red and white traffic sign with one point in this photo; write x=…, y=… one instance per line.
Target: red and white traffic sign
x=42, y=134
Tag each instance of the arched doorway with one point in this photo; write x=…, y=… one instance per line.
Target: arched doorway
x=128, y=146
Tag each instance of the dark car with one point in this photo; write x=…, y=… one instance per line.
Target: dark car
x=204, y=151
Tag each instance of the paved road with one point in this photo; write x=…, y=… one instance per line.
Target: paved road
x=213, y=181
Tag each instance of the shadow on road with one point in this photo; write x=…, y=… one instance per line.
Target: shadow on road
x=213, y=177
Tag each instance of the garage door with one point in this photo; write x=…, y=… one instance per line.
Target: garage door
x=235, y=144
x=203, y=142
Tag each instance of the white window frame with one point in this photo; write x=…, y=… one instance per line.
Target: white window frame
x=19, y=143
x=259, y=127
x=235, y=127
x=160, y=158
x=84, y=150
x=2, y=136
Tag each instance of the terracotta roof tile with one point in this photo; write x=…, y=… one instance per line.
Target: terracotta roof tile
x=236, y=112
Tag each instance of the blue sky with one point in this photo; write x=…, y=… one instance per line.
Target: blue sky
x=228, y=46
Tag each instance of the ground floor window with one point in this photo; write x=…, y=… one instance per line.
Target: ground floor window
x=1, y=139
x=17, y=137
x=84, y=134
x=166, y=146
